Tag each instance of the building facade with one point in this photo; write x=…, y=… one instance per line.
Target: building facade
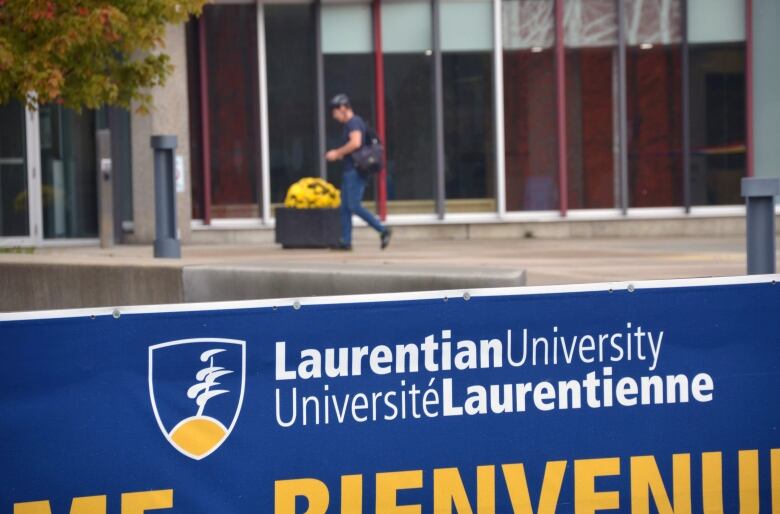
x=498, y=110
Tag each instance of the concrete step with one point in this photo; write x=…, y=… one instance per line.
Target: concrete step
x=62, y=284
x=543, y=228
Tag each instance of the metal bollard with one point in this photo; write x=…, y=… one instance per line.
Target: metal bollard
x=759, y=196
x=166, y=242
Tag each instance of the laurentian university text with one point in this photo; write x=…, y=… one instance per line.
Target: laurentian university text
x=442, y=375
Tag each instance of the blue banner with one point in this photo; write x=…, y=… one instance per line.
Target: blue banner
x=653, y=397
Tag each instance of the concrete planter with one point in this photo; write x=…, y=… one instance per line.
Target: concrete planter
x=307, y=228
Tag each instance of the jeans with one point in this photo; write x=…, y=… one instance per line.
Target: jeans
x=352, y=188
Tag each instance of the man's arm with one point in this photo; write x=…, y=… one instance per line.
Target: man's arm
x=355, y=141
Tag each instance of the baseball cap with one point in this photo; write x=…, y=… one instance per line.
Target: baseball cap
x=339, y=100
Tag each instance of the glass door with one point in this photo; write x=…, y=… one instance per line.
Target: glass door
x=68, y=187
x=15, y=177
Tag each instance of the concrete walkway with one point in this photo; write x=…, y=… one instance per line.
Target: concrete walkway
x=545, y=261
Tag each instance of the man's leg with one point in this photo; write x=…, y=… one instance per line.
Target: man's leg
x=368, y=217
x=348, y=190
x=361, y=211
x=346, y=223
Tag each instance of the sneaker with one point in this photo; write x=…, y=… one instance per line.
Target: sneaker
x=384, y=238
x=342, y=247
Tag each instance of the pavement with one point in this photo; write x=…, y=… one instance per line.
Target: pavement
x=545, y=261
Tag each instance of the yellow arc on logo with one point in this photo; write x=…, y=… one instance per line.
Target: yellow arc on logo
x=198, y=435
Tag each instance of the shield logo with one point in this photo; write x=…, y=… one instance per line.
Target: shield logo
x=197, y=388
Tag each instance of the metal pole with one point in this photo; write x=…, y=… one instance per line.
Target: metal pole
x=205, y=124
x=560, y=81
x=498, y=109
x=379, y=95
x=265, y=146
x=321, y=165
x=622, y=107
x=438, y=103
x=749, y=111
x=105, y=187
x=759, y=196
x=166, y=242
x=686, y=109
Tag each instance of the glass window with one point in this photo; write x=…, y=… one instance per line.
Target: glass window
x=194, y=111
x=231, y=32
x=717, y=85
x=653, y=22
x=716, y=21
x=528, y=24
x=407, y=44
x=347, y=44
x=529, y=105
x=590, y=23
x=591, y=67
x=466, y=25
x=292, y=95
x=14, y=204
x=346, y=29
x=406, y=26
x=233, y=95
x=654, y=97
x=716, y=31
x=467, y=69
x=68, y=172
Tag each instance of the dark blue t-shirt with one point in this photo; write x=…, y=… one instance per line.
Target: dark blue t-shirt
x=355, y=123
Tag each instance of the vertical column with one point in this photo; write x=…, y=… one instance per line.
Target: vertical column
x=321, y=165
x=265, y=155
x=622, y=107
x=166, y=241
x=205, y=134
x=686, y=108
x=498, y=93
x=34, y=190
x=438, y=105
x=759, y=194
x=379, y=98
x=750, y=171
x=560, y=78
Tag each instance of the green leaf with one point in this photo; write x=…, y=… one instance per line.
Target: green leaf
x=75, y=52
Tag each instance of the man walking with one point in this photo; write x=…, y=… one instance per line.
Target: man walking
x=352, y=184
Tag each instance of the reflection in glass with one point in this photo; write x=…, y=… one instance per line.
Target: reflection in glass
x=468, y=130
x=591, y=60
x=68, y=172
x=654, y=90
x=348, y=58
x=407, y=43
x=352, y=74
x=717, y=82
x=410, y=153
x=14, y=204
x=233, y=110
x=467, y=42
x=529, y=105
x=292, y=95
x=234, y=129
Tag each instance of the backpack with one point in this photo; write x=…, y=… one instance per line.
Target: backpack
x=368, y=158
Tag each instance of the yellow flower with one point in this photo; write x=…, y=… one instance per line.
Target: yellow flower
x=312, y=193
